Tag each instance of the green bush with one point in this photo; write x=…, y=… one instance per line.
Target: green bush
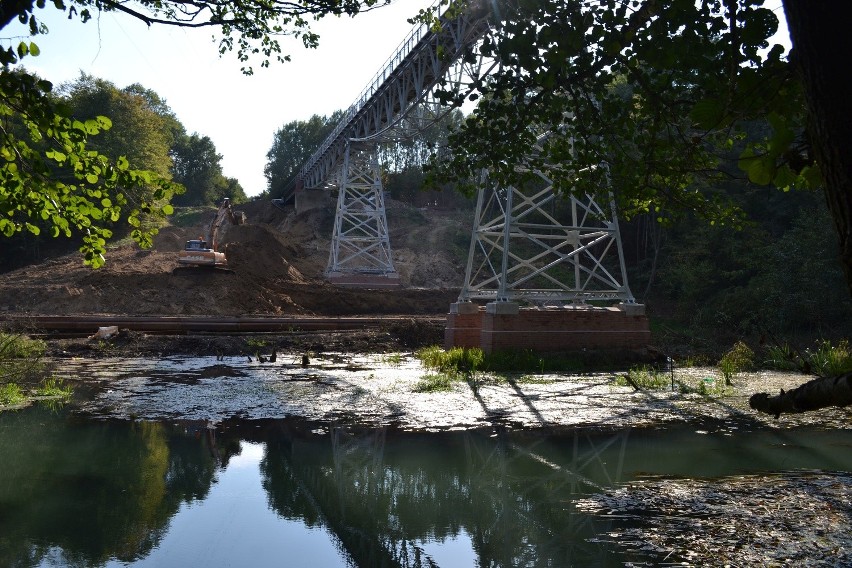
x=738, y=359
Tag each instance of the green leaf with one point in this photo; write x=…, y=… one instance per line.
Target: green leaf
x=761, y=170
x=707, y=114
x=7, y=227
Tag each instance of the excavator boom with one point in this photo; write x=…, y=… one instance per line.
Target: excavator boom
x=204, y=251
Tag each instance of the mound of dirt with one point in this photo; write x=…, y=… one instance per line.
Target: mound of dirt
x=260, y=251
x=277, y=262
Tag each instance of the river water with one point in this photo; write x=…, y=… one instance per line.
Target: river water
x=81, y=489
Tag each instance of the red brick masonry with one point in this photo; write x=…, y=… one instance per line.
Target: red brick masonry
x=548, y=329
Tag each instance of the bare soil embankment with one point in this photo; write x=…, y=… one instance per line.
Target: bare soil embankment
x=277, y=261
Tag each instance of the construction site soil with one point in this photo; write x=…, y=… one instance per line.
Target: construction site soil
x=277, y=261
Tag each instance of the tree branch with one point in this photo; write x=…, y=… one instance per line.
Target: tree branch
x=821, y=392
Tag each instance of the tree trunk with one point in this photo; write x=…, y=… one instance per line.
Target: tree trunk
x=822, y=45
x=819, y=393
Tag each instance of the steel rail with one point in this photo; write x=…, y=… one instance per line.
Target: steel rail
x=185, y=324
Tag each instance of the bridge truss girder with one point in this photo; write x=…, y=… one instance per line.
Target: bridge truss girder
x=360, y=243
x=401, y=104
x=529, y=245
x=423, y=60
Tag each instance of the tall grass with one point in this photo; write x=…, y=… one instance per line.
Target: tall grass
x=645, y=377
x=824, y=359
x=11, y=395
x=20, y=357
x=829, y=360
x=456, y=361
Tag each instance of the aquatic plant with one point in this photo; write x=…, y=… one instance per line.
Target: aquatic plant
x=644, y=377
x=11, y=395
x=392, y=359
x=54, y=387
x=738, y=359
x=435, y=383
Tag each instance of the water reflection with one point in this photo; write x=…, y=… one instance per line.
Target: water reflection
x=75, y=492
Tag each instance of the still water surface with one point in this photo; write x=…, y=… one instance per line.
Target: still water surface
x=82, y=492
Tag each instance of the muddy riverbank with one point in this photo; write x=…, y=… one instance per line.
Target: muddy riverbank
x=372, y=379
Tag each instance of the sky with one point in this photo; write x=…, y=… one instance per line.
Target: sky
x=209, y=94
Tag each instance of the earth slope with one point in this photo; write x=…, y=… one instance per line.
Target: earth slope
x=277, y=260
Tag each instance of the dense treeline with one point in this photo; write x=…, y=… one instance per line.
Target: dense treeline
x=145, y=132
x=401, y=161
x=777, y=276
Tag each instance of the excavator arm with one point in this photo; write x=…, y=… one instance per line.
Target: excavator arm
x=205, y=252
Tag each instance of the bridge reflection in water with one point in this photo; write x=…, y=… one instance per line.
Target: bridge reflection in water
x=272, y=493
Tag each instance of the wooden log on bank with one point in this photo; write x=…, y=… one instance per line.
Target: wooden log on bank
x=821, y=392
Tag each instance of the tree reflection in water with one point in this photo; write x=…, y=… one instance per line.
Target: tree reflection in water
x=86, y=492
x=384, y=499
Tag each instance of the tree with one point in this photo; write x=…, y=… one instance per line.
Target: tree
x=659, y=90
x=292, y=145
x=197, y=167
x=139, y=132
x=39, y=138
x=50, y=174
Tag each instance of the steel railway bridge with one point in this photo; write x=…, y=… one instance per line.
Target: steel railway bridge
x=547, y=267
x=527, y=245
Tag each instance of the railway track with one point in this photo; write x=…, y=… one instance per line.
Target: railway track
x=196, y=324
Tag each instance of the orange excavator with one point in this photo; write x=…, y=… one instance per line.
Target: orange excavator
x=204, y=251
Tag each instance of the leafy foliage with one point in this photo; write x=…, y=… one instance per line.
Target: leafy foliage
x=197, y=166
x=248, y=27
x=292, y=145
x=50, y=172
x=658, y=90
x=54, y=172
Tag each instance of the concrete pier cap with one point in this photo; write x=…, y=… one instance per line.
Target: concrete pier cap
x=502, y=308
x=632, y=309
x=464, y=307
